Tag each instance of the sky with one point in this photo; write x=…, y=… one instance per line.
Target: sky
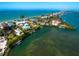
x=39, y=5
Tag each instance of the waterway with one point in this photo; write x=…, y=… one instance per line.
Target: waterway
x=48, y=41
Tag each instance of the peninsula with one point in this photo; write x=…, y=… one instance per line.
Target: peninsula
x=12, y=32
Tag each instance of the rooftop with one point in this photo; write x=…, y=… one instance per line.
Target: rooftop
x=3, y=44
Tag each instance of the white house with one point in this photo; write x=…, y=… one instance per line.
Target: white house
x=3, y=45
x=50, y=15
x=44, y=17
x=1, y=27
x=18, y=32
x=62, y=26
x=21, y=22
x=26, y=26
x=56, y=22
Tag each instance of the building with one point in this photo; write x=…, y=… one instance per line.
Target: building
x=3, y=45
x=4, y=24
x=1, y=27
x=23, y=24
x=56, y=22
x=43, y=17
x=26, y=26
x=10, y=24
x=18, y=32
x=50, y=15
x=62, y=26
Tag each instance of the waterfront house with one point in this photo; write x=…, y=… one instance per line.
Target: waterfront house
x=57, y=13
x=56, y=22
x=54, y=14
x=3, y=45
x=33, y=19
x=1, y=27
x=19, y=22
x=23, y=24
x=6, y=28
x=4, y=24
x=50, y=15
x=18, y=32
x=26, y=26
x=10, y=23
x=62, y=26
x=43, y=17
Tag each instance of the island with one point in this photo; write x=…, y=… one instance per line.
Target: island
x=13, y=32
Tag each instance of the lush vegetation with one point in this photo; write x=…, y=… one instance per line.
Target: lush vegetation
x=11, y=38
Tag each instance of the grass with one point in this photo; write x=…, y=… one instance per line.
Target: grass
x=12, y=38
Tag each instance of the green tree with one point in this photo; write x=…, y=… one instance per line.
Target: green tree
x=2, y=33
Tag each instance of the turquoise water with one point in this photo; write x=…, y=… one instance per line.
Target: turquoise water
x=46, y=41
x=72, y=18
x=15, y=14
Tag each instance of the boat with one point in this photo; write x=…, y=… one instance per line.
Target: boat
x=19, y=42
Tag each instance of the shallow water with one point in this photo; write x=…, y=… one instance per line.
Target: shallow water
x=46, y=41
x=15, y=14
x=72, y=18
x=49, y=41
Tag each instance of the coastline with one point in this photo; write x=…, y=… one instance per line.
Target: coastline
x=41, y=38
x=44, y=23
x=15, y=43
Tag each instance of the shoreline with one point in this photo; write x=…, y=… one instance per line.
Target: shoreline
x=35, y=37
x=28, y=41
x=15, y=44
x=11, y=20
x=43, y=23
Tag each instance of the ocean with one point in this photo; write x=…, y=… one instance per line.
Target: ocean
x=15, y=14
x=72, y=18
x=48, y=40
